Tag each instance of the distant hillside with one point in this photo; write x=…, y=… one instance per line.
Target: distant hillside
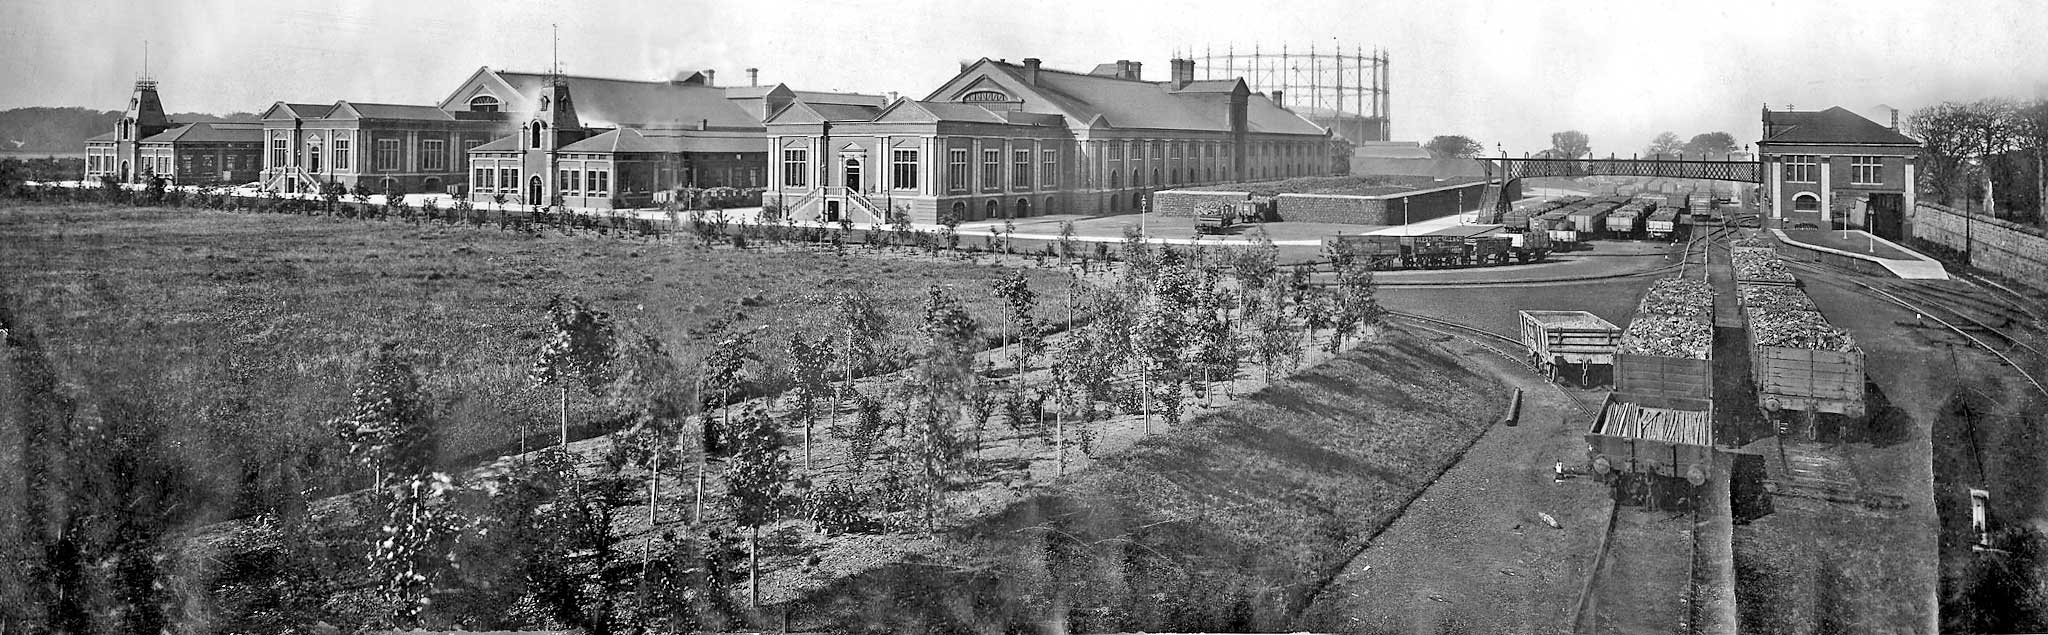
x=45, y=129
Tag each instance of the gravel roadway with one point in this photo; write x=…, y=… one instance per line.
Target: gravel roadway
x=1471, y=552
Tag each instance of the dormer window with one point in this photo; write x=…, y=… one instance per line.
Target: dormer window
x=544, y=103
x=985, y=96
x=483, y=103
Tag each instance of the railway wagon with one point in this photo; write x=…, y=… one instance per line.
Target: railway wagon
x=1401, y=252
x=1653, y=450
x=1529, y=246
x=1589, y=220
x=1626, y=222
x=1804, y=368
x=1661, y=224
x=1760, y=266
x=1556, y=339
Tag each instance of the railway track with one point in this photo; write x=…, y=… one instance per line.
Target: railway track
x=1928, y=309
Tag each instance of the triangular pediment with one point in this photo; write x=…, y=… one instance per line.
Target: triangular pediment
x=796, y=112
x=906, y=111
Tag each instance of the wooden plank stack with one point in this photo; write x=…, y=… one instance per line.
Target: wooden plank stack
x=1685, y=427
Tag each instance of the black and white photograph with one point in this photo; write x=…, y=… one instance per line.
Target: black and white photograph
x=1372, y=317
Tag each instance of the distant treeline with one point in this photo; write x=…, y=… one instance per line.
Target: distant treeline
x=46, y=129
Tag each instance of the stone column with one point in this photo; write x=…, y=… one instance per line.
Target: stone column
x=1910, y=188
x=1827, y=194
x=1774, y=185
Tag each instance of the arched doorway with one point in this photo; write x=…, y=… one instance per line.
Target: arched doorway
x=1116, y=203
x=1138, y=201
x=533, y=194
x=960, y=211
x=1050, y=207
x=1023, y=207
x=432, y=186
x=994, y=209
x=853, y=174
x=124, y=170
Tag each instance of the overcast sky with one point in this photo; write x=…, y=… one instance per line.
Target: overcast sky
x=1500, y=72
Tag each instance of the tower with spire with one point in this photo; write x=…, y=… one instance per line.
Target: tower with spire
x=143, y=119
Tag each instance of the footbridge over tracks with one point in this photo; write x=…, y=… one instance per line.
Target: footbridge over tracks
x=1511, y=170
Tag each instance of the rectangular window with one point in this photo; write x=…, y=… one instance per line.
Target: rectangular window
x=600, y=183
x=1799, y=168
x=341, y=153
x=903, y=169
x=433, y=155
x=796, y=168
x=956, y=169
x=389, y=159
x=991, y=169
x=1116, y=152
x=479, y=178
x=567, y=185
x=1049, y=168
x=1866, y=170
x=1020, y=169
x=280, y=152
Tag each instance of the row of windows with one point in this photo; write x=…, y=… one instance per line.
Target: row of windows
x=1804, y=168
x=905, y=169
x=387, y=156
x=585, y=182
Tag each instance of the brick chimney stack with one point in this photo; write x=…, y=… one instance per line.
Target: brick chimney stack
x=1277, y=101
x=1895, y=120
x=753, y=77
x=1137, y=70
x=710, y=77
x=1031, y=70
x=1183, y=72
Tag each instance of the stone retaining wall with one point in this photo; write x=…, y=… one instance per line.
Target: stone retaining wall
x=2014, y=251
x=1191, y=202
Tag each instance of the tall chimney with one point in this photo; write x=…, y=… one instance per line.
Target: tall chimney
x=1137, y=70
x=753, y=77
x=1895, y=120
x=1031, y=70
x=710, y=77
x=1183, y=72
x=1277, y=101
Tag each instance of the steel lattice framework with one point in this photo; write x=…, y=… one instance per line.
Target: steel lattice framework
x=1740, y=171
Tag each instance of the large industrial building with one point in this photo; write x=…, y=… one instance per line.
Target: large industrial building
x=1006, y=140
x=146, y=143
x=602, y=143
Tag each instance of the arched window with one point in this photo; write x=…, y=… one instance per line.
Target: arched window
x=1138, y=201
x=1116, y=203
x=1805, y=202
x=1051, y=207
x=994, y=209
x=985, y=96
x=960, y=211
x=1023, y=207
x=1116, y=179
x=536, y=130
x=1155, y=176
x=483, y=103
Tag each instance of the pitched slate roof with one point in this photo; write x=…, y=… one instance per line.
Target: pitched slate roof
x=395, y=111
x=1831, y=126
x=629, y=140
x=627, y=103
x=210, y=132
x=1128, y=103
x=501, y=144
x=308, y=111
x=844, y=99
x=104, y=136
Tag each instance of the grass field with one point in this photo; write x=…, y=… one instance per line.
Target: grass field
x=250, y=327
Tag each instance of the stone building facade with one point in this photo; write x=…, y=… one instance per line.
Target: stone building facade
x=1003, y=140
x=1830, y=167
x=146, y=143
